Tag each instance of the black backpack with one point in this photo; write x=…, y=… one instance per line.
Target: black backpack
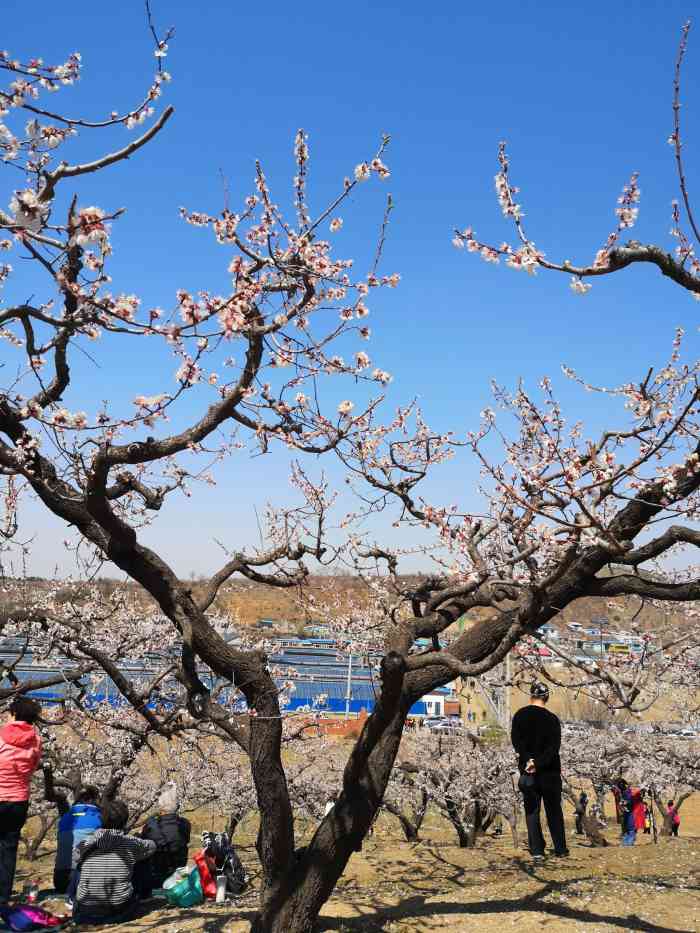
x=171, y=836
x=219, y=847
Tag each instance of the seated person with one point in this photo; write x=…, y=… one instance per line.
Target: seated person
x=106, y=862
x=171, y=834
x=76, y=823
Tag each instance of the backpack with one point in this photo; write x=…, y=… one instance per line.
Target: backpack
x=27, y=917
x=219, y=847
x=164, y=838
x=207, y=873
x=171, y=846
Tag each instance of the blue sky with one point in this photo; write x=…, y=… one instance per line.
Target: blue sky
x=581, y=94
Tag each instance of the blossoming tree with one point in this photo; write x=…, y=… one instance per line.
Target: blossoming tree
x=559, y=509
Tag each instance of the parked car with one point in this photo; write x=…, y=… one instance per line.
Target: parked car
x=577, y=728
x=445, y=729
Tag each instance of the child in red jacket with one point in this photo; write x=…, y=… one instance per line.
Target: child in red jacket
x=20, y=751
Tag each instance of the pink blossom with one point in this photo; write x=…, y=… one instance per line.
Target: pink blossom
x=189, y=372
x=578, y=286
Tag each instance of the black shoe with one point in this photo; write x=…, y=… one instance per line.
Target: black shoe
x=563, y=854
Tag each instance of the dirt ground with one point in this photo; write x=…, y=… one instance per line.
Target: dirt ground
x=395, y=887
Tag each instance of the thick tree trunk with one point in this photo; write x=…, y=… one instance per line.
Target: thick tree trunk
x=463, y=837
x=593, y=833
x=513, y=823
x=292, y=904
x=667, y=825
x=475, y=826
x=33, y=844
x=420, y=811
x=466, y=831
x=412, y=821
x=410, y=830
x=600, y=792
x=408, y=826
x=486, y=821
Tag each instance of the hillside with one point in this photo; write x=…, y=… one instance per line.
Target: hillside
x=251, y=602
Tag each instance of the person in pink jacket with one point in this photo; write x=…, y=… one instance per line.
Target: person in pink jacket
x=20, y=751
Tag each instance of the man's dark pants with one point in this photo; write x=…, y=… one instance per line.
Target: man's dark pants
x=13, y=814
x=61, y=880
x=545, y=790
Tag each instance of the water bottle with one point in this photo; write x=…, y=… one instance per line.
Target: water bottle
x=33, y=893
x=220, y=889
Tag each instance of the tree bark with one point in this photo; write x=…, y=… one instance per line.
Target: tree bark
x=593, y=834
x=291, y=904
x=513, y=823
x=412, y=821
x=408, y=825
x=600, y=791
x=33, y=844
x=466, y=832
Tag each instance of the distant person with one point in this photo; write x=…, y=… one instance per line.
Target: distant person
x=106, y=862
x=20, y=752
x=674, y=817
x=623, y=798
x=171, y=834
x=647, y=819
x=581, y=806
x=631, y=808
x=536, y=737
x=75, y=823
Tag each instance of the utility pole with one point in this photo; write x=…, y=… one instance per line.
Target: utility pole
x=348, y=690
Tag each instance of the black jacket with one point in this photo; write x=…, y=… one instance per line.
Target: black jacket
x=171, y=834
x=536, y=733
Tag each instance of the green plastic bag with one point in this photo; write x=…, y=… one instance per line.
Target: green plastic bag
x=187, y=892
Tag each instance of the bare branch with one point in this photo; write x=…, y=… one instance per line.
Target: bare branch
x=70, y=171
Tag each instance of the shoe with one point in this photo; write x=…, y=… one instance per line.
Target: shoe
x=538, y=859
x=563, y=854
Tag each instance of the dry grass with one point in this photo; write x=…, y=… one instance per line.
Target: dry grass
x=395, y=887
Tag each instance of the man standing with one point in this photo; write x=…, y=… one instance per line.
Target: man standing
x=20, y=751
x=536, y=737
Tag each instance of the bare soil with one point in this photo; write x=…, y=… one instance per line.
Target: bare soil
x=396, y=887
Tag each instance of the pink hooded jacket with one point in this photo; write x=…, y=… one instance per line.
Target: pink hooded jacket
x=20, y=751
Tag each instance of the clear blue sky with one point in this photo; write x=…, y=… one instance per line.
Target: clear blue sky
x=582, y=94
